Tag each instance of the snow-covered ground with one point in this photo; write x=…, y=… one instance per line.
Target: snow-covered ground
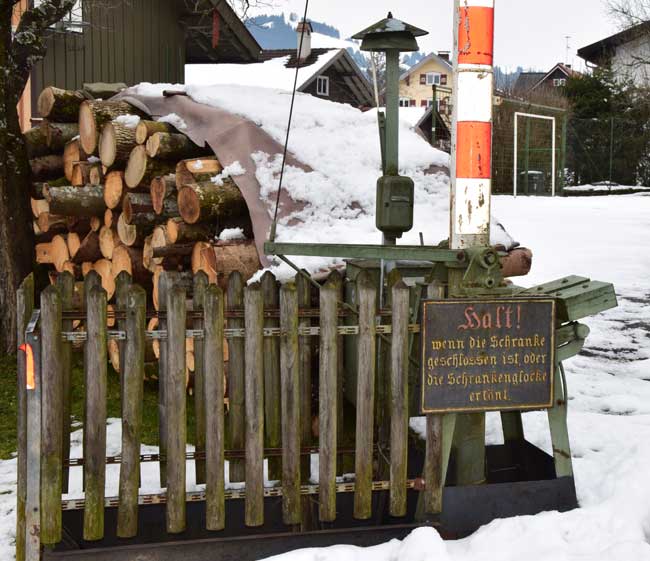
x=605, y=238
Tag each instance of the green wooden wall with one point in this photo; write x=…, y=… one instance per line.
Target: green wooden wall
x=128, y=41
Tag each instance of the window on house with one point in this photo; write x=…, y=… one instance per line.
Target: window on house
x=404, y=102
x=433, y=78
x=559, y=82
x=323, y=86
x=412, y=104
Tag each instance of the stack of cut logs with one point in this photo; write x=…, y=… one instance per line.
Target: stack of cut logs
x=114, y=191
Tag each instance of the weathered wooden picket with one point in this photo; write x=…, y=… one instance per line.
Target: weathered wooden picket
x=273, y=333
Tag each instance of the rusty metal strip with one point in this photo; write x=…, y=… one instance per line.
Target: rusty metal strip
x=386, y=329
x=232, y=494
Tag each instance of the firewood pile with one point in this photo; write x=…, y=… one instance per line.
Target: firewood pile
x=114, y=191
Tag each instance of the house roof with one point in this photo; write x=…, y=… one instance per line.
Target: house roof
x=528, y=81
x=216, y=34
x=425, y=60
x=595, y=52
x=277, y=70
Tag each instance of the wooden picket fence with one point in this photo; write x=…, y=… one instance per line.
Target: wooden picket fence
x=278, y=338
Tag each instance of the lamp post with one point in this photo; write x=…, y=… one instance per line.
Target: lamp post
x=395, y=193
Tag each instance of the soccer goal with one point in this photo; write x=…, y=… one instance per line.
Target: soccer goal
x=536, y=151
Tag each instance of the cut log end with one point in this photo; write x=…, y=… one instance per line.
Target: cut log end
x=108, y=240
x=113, y=189
x=128, y=233
x=46, y=102
x=189, y=205
x=139, y=167
x=107, y=145
x=87, y=128
x=104, y=269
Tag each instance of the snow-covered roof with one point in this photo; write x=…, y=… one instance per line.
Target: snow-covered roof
x=269, y=74
x=278, y=73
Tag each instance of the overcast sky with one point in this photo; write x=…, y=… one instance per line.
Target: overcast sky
x=529, y=33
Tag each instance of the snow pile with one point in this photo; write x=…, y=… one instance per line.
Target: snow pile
x=128, y=121
x=174, y=120
x=341, y=145
x=233, y=170
x=231, y=234
x=605, y=187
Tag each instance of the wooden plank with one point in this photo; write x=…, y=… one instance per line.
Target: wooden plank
x=91, y=281
x=132, y=398
x=305, y=346
x=164, y=282
x=290, y=401
x=433, y=485
x=585, y=300
x=213, y=370
x=65, y=284
x=52, y=417
x=273, y=432
x=304, y=288
x=236, y=385
x=95, y=420
x=399, y=417
x=434, y=463
x=122, y=286
x=200, y=285
x=337, y=280
x=366, y=371
x=328, y=391
x=557, y=419
x=254, y=320
x=24, y=309
x=176, y=409
x=34, y=456
x=548, y=288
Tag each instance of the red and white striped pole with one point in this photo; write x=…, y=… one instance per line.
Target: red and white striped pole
x=471, y=172
x=471, y=185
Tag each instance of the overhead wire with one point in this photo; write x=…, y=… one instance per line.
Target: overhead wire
x=286, y=141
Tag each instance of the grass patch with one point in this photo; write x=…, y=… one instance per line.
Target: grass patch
x=8, y=403
x=8, y=406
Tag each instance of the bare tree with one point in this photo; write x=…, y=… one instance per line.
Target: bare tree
x=241, y=7
x=634, y=14
x=629, y=13
x=20, y=49
x=377, y=74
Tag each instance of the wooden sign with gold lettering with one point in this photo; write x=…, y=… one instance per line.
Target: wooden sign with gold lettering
x=487, y=355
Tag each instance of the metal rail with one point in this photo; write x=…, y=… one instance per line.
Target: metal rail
x=235, y=494
x=388, y=253
x=384, y=329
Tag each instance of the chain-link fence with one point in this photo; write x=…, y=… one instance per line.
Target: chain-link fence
x=614, y=150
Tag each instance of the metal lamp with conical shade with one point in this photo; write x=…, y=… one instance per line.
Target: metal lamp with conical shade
x=395, y=194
